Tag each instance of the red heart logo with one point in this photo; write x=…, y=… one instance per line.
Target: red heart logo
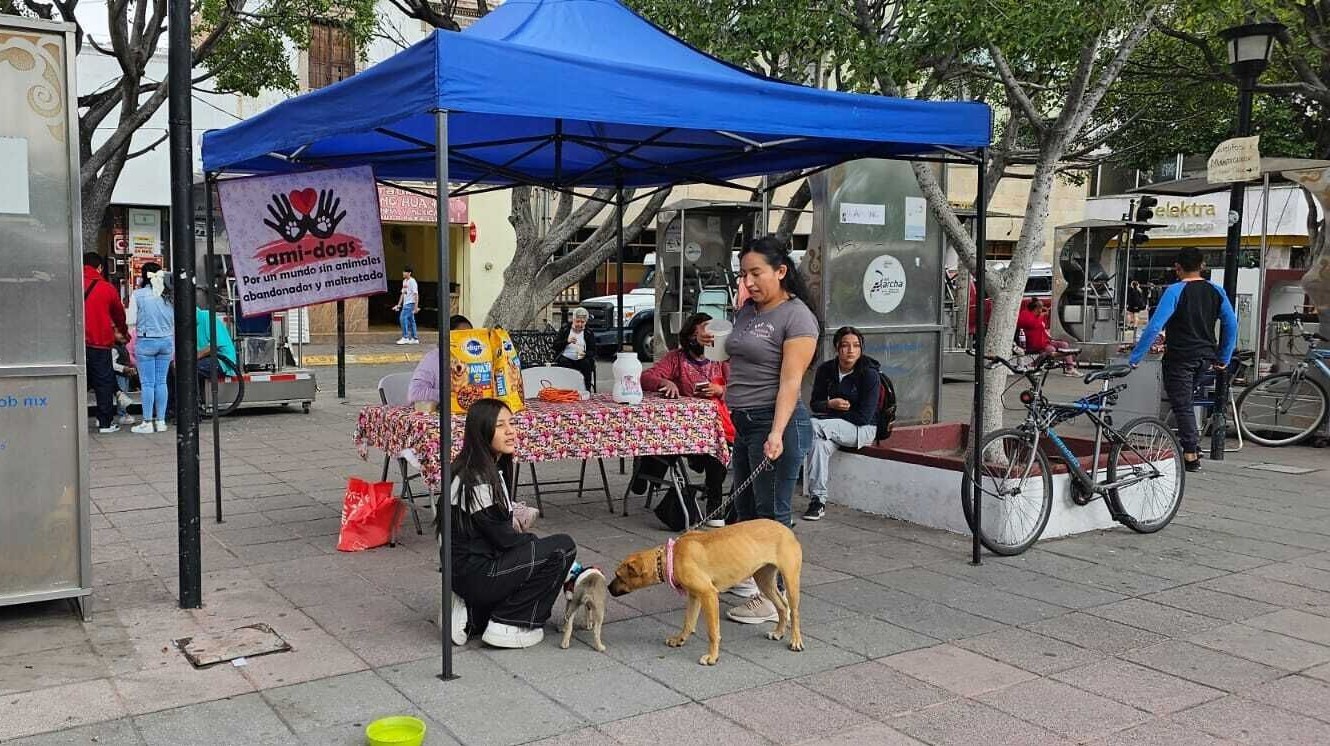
x=304, y=200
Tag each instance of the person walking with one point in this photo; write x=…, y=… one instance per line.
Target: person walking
x=1187, y=312
x=153, y=317
x=844, y=402
x=575, y=347
x=408, y=304
x=775, y=335
x=1135, y=304
x=103, y=326
x=686, y=372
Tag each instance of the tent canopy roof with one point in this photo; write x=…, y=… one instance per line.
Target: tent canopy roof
x=581, y=93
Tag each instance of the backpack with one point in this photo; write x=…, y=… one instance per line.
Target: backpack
x=885, y=415
x=675, y=512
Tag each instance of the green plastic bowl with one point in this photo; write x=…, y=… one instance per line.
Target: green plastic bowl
x=396, y=731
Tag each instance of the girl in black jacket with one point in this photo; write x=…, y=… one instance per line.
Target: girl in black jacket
x=506, y=578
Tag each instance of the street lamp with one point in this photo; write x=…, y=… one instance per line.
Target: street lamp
x=1249, y=48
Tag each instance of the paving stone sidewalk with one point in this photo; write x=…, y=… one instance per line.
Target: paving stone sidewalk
x=1216, y=630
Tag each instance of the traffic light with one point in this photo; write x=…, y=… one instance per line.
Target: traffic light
x=1144, y=212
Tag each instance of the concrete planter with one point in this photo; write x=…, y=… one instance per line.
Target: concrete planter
x=915, y=476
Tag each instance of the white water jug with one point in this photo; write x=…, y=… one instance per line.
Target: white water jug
x=627, y=378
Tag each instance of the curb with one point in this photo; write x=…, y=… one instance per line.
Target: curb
x=382, y=358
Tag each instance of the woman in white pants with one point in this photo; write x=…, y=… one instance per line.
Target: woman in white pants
x=844, y=403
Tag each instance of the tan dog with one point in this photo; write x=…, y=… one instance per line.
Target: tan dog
x=704, y=564
x=588, y=596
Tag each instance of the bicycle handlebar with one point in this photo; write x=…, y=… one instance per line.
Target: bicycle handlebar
x=1298, y=319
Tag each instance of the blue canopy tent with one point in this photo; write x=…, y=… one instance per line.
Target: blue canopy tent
x=568, y=94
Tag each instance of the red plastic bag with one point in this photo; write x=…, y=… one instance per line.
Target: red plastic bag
x=726, y=422
x=370, y=515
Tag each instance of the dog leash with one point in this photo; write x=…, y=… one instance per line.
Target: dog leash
x=766, y=464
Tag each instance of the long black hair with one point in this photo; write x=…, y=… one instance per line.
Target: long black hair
x=775, y=253
x=149, y=268
x=476, y=464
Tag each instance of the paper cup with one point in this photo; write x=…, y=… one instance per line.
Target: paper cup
x=720, y=329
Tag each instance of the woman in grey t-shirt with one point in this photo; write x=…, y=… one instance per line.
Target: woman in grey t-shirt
x=774, y=338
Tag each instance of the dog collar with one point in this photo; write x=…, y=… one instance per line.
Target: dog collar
x=575, y=576
x=669, y=567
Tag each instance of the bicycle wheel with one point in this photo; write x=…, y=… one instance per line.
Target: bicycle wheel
x=230, y=392
x=1148, y=449
x=1016, y=487
x=1282, y=409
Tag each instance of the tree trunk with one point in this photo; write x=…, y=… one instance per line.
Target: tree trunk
x=789, y=219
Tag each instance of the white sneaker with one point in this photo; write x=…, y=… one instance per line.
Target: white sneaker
x=457, y=628
x=755, y=610
x=402, y=341
x=507, y=636
x=716, y=523
x=745, y=588
x=125, y=419
x=114, y=428
x=413, y=341
x=123, y=400
x=143, y=428
x=160, y=426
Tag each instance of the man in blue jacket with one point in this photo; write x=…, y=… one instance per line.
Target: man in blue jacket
x=1187, y=313
x=844, y=403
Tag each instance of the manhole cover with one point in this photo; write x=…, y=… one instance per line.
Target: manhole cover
x=1282, y=469
x=245, y=642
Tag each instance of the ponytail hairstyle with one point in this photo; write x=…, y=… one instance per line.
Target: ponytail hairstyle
x=156, y=278
x=776, y=253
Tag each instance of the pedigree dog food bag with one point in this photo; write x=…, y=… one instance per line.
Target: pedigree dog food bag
x=471, y=372
x=507, y=370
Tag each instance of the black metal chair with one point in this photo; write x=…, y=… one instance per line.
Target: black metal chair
x=393, y=391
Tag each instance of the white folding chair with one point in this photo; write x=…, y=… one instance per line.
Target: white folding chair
x=393, y=392
x=533, y=380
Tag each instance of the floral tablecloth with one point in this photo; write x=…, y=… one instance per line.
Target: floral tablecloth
x=595, y=428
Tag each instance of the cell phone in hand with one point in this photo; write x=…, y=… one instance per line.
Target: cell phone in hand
x=700, y=386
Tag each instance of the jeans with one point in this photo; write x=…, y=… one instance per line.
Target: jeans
x=830, y=433
x=772, y=491
x=154, y=358
x=121, y=384
x=408, y=321
x=101, y=377
x=1180, y=378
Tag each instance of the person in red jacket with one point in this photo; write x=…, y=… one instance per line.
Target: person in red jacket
x=103, y=326
x=1033, y=320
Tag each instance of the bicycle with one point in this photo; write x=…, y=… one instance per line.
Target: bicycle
x=1143, y=473
x=1284, y=408
x=228, y=400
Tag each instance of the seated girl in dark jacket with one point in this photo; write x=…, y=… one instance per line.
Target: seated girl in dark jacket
x=507, y=580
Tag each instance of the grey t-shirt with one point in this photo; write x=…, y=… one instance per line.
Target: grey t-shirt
x=755, y=348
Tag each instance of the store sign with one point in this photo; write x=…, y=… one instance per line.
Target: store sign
x=145, y=233
x=884, y=284
x=303, y=239
x=400, y=206
x=1235, y=160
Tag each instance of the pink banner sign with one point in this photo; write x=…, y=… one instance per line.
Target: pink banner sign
x=303, y=239
x=399, y=206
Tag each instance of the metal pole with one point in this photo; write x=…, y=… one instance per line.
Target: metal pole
x=445, y=391
x=210, y=270
x=618, y=237
x=1260, y=284
x=179, y=75
x=341, y=342
x=766, y=209
x=1232, y=245
x=981, y=321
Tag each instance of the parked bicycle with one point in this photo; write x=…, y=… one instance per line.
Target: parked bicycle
x=1284, y=408
x=1142, y=476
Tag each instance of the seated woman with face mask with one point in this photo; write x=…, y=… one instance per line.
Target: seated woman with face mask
x=684, y=371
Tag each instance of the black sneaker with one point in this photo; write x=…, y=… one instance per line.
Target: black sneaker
x=1191, y=466
x=816, y=509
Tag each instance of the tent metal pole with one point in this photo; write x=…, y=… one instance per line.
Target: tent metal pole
x=445, y=390
x=618, y=238
x=981, y=323
x=1260, y=284
x=766, y=207
x=210, y=270
x=183, y=260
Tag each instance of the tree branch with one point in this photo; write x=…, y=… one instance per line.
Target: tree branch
x=1016, y=93
x=1110, y=72
x=135, y=154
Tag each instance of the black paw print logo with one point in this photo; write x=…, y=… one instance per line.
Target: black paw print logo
x=323, y=223
x=290, y=225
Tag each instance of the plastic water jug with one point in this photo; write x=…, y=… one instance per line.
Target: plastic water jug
x=627, y=378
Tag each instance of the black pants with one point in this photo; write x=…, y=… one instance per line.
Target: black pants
x=101, y=377
x=586, y=366
x=711, y=467
x=1180, y=379
x=519, y=588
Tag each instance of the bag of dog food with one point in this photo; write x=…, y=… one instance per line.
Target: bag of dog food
x=471, y=373
x=507, y=370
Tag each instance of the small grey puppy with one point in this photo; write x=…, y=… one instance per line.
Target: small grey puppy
x=587, y=592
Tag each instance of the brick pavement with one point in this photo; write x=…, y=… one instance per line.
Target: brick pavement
x=1215, y=630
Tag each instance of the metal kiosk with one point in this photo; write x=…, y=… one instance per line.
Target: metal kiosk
x=45, y=533
x=694, y=250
